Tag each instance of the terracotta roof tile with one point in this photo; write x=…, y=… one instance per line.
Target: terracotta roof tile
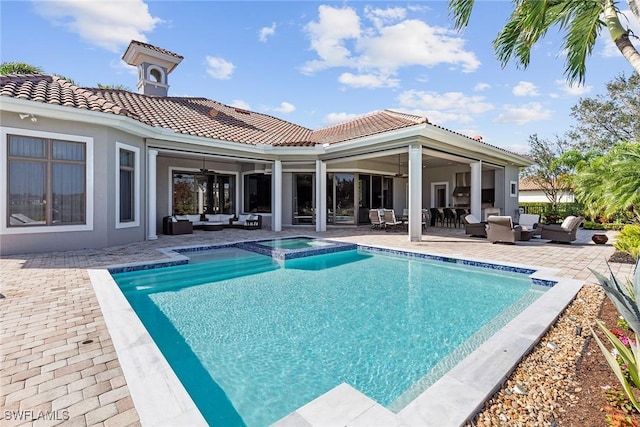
x=368, y=124
x=55, y=90
x=203, y=117
x=156, y=48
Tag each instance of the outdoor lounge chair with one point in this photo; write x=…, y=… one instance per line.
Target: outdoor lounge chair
x=376, y=219
x=390, y=220
x=501, y=229
x=172, y=226
x=565, y=232
x=530, y=222
x=474, y=227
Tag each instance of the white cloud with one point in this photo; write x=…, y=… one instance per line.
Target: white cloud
x=285, y=107
x=219, y=68
x=380, y=17
x=121, y=67
x=107, y=24
x=481, y=86
x=444, y=107
x=525, y=113
x=266, y=32
x=368, y=80
x=335, y=118
x=525, y=89
x=340, y=39
x=328, y=35
x=572, y=90
x=243, y=105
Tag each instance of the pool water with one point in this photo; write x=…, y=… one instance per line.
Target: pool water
x=294, y=243
x=252, y=339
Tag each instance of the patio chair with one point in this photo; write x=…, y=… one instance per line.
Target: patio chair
x=376, y=219
x=449, y=217
x=436, y=216
x=460, y=213
x=474, y=227
x=530, y=222
x=390, y=220
x=563, y=233
x=500, y=229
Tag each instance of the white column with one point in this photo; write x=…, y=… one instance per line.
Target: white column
x=236, y=208
x=321, y=196
x=476, y=190
x=276, y=212
x=151, y=194
x=415, y=193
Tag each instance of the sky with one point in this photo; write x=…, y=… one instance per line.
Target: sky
x=320, y=63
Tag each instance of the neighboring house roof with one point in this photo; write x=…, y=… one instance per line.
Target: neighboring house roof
x=527, y=184
x=204, y=117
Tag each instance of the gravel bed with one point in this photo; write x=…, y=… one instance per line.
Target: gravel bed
x=543, y=386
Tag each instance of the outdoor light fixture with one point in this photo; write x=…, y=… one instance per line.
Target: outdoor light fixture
x=28, y=115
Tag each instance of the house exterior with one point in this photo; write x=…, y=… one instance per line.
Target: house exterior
x=89, y=167
x=531, y=192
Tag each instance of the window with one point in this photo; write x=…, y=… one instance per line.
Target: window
x=46, y=181
x=513, y=188
x=257, y=193
x=127, y=183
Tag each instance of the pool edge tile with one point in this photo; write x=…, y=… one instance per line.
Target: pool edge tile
x=160, y=398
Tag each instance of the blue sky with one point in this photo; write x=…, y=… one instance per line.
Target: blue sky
x=319, y=63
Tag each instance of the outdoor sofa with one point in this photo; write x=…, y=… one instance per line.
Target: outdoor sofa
x=563, y=233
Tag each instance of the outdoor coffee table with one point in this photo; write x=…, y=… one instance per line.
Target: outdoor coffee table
x=525, y=235
x=212, y=226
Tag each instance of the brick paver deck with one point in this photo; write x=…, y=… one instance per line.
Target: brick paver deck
x=59, y=366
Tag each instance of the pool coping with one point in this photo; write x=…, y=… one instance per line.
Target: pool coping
x=161, y=399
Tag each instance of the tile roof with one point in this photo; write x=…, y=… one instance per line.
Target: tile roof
x=203, y=117
x=209, y=119
x=155, y=48
x=55, y=90
x=368, y=124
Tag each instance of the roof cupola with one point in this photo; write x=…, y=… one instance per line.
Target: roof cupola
x=154, y=66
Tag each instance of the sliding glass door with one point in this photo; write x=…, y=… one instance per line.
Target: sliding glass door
x=303, y=198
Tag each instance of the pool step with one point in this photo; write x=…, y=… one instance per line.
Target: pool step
x=184, y=278
x=207, y=265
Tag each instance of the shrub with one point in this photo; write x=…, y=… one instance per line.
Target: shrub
x=623, y=296
x=591, y=225
x=628, y=240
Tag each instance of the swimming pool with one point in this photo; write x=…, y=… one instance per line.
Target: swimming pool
x=285, y=334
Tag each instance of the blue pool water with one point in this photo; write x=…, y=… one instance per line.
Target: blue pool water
x=253, y=339
x=294, y=243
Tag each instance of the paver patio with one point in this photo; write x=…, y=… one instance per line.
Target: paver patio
x=58, y=364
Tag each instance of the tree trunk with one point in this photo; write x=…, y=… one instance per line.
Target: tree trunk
x=629, y=51
x=619, y=34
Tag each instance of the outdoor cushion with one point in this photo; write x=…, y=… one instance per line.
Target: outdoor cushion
x=471, y=219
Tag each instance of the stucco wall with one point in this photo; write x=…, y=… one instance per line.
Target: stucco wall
x=103, y=194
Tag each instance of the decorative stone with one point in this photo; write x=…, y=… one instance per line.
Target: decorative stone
x=599, y=239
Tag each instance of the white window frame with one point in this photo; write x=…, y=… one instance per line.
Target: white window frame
x=89, y=196
x=136, y=184
x=513, y=188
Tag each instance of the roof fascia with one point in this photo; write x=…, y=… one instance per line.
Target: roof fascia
x=462, y=144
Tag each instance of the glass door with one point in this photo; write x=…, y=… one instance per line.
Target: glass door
x=345, y=198
x=303, y=199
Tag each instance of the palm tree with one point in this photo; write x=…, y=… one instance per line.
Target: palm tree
x=579, y=19
x=18, y=68
x=610, y=183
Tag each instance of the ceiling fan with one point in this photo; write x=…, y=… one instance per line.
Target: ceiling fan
x=399, y=174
